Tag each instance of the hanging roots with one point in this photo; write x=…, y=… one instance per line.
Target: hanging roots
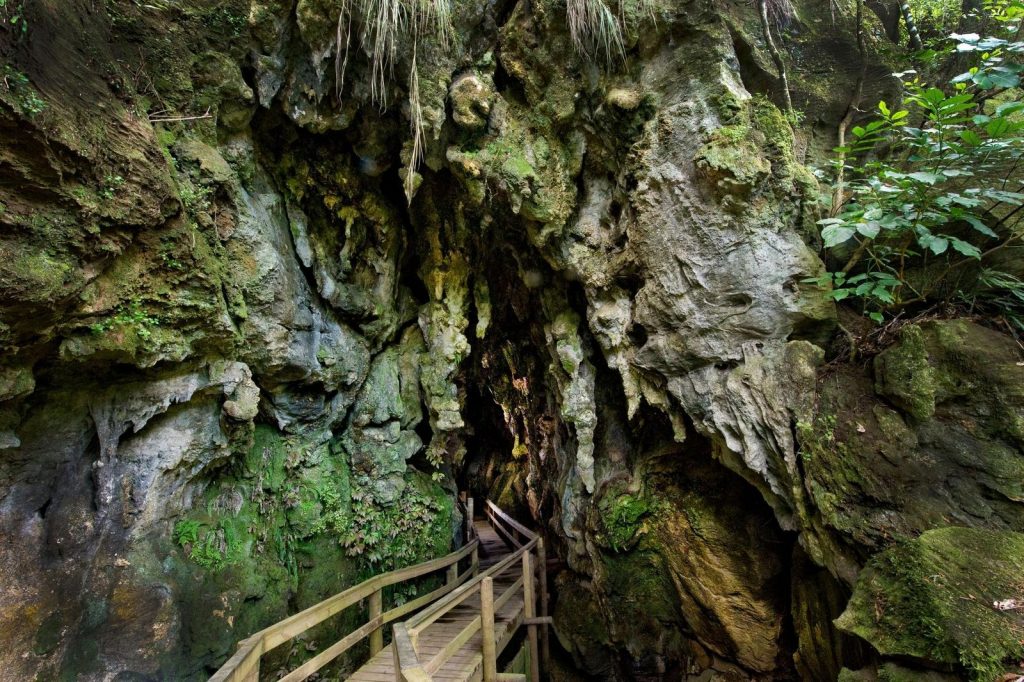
x=385, y=26
x=594, y=29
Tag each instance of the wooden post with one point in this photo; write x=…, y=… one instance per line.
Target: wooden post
x=487, y=629
x=453, y=574
x=545, y=643
x=474, y=565
x=396, y=659
x=377, y=636
x=469, y=519
x=529, y=602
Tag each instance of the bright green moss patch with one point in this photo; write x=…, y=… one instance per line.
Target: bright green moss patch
x=622, y=517
x=935, y=598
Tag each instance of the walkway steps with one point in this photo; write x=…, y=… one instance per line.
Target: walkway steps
x=466, y=664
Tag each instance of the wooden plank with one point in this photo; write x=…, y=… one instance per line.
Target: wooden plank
x=243, y=664
x=430, y=615
x=507, y=537
x=454, y=645
x=403, y=574
x=407, y=665
x=409, y=607
x=508, y=594
x=542, y=569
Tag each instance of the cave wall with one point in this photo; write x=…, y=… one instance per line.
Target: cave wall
x=238, y=357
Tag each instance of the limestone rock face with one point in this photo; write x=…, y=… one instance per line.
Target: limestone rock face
x=252, y=345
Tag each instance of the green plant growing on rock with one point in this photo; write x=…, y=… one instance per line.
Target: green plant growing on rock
x=25, y=96
x=594, y=29
x=938, y=186
x=387, y=535
x=1003, y=292
x=12, y=12
x=817, y=436
x=210, y=548
x=132, y=317
x=110, y=186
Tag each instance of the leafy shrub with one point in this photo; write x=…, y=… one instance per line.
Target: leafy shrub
x=938, y=185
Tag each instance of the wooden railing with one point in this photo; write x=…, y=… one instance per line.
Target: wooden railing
x=244, y=665
x=409, y=667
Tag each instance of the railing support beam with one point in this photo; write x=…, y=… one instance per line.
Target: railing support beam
x=490, y=656
x=376, y=609
x=545, y=644
x=529, y=608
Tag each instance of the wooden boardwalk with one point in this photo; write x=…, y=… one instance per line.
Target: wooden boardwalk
x=455, y=633
x=466, y=664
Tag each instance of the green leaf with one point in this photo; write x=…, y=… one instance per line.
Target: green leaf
x=884, y=108
x=963, y=247
x=877, y=317
x=997, y=127
x=840, y=294
x=869, y=230
x=936, y=245
x=934, y=96
x=883, y=294
x=925, y=177
x=1008, y=108
x=833, y=235
x=979, y=226
x=970, y=137
x=1004, y=80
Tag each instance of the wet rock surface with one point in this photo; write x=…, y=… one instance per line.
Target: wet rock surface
x=242, y=369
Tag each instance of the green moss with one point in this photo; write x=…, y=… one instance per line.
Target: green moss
x=641, y=594
x=48, y=635
x=42, y=273
x=933, y=598
x=770, y=120
x=732, y=161
x=904, y=375
x=622, y=518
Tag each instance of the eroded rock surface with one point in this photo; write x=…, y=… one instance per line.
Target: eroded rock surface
x=245, y=366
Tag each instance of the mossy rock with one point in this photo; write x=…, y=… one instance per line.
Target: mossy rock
x=622, y=516
x=942, y=599
x=731, y=160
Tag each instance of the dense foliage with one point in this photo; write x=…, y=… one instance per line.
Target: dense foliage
x=933, y=187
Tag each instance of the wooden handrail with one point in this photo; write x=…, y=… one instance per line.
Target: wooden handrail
x=407, y=665
x=508, y=520
x=482, y=585
x=243, y=666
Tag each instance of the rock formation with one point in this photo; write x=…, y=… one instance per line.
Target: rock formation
x=242, y=369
